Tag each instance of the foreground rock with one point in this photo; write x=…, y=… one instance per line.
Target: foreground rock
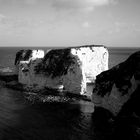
x=69, y=69
x=118, y=89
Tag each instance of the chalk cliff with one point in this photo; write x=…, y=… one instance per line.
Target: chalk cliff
x=24, y=61
x=69, y=68
x=117, y=89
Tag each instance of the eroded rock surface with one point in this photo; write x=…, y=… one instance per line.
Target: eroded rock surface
x=69, y=68
x=117, y=89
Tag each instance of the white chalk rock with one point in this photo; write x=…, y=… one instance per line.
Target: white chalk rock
x=70, y=68
x=24, y=59
x=94, y=60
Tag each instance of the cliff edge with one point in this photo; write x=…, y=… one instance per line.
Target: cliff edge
x=117, y=89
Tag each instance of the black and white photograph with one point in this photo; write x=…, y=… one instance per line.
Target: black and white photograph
x=69, y=69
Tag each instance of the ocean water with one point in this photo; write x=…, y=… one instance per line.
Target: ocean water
x=22, y=120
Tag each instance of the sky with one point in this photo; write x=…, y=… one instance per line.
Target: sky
x=113, y=23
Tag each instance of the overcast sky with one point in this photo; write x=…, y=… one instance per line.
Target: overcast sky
x=70, y=22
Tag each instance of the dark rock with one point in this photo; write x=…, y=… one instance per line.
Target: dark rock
x=9, y=78
x=56, y=63
x=117, y=89
x=22, y=55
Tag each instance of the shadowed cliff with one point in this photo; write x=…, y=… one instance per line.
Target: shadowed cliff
x=119, y=87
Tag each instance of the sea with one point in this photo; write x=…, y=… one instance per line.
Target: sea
x=24, y=120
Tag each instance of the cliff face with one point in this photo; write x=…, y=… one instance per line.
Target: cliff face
x=25, y=61
x=118, y=87
x=94, y=60
x=70, y=68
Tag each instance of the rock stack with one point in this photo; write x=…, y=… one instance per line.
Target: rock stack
x=68, y=68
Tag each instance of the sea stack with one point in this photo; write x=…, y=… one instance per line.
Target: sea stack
x=68, y=68
x=117, y=89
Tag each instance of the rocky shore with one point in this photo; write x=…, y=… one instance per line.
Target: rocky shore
x=114, y=105
x=10, y=80
x=116, y=90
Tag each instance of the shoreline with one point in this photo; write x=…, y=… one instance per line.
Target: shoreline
x=10, y=80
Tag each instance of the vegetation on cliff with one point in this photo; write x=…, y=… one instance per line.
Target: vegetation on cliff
x=56, y=63
x=23, y=55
